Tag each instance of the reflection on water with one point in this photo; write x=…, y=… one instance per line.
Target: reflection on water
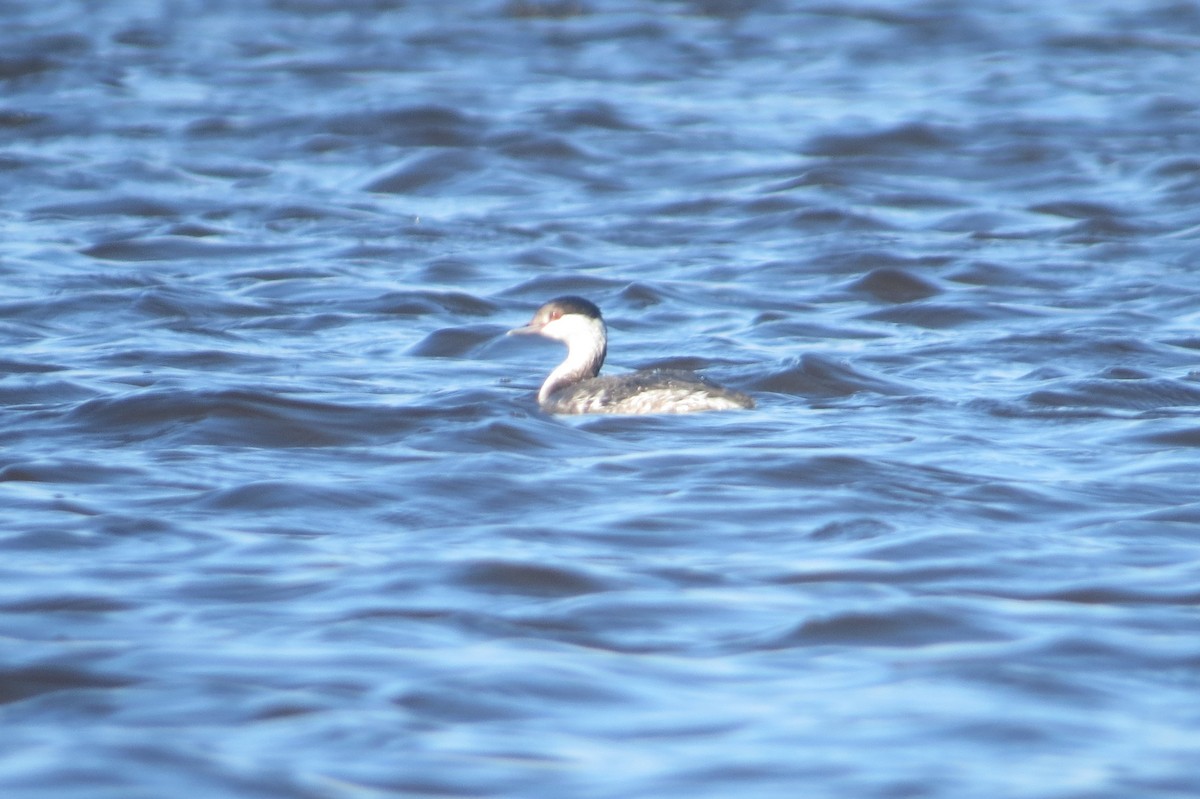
x=279, y=515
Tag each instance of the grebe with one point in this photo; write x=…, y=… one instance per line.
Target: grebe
x=574, y=387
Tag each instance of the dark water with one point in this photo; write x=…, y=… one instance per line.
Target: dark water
x=279, y=516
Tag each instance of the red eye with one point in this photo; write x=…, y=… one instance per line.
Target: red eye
x=555, y=314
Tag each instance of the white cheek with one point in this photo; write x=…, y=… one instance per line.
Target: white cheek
x=566, y=328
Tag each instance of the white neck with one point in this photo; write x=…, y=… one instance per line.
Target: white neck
x=587, y=344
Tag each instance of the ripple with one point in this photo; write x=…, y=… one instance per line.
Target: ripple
x=237, y=418
x=936, y=316
x=1123, y=394
x=588, y=114
x=1183, y=437
x=892, y=141
x=895, y=285
x=43, y=393
x=69, y=603
x=413, y=126
x=61, y=470
x=536, y=146
x=430, y=173
x=455, y=342
x=817, y=376
x=167, y=248
x=274, y=494
x=22, y=683
x=112, y=206
x=900, y=625
x=527, y=579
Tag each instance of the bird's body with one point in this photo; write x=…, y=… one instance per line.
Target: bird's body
x=575, y=385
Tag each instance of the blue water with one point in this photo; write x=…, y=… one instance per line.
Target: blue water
x=280, y=517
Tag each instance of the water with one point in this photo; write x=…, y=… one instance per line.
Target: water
x=279, y=516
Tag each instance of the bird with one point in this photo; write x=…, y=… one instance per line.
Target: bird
x=576, y=386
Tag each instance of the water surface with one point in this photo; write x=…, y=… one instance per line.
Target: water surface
x=279, y=515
